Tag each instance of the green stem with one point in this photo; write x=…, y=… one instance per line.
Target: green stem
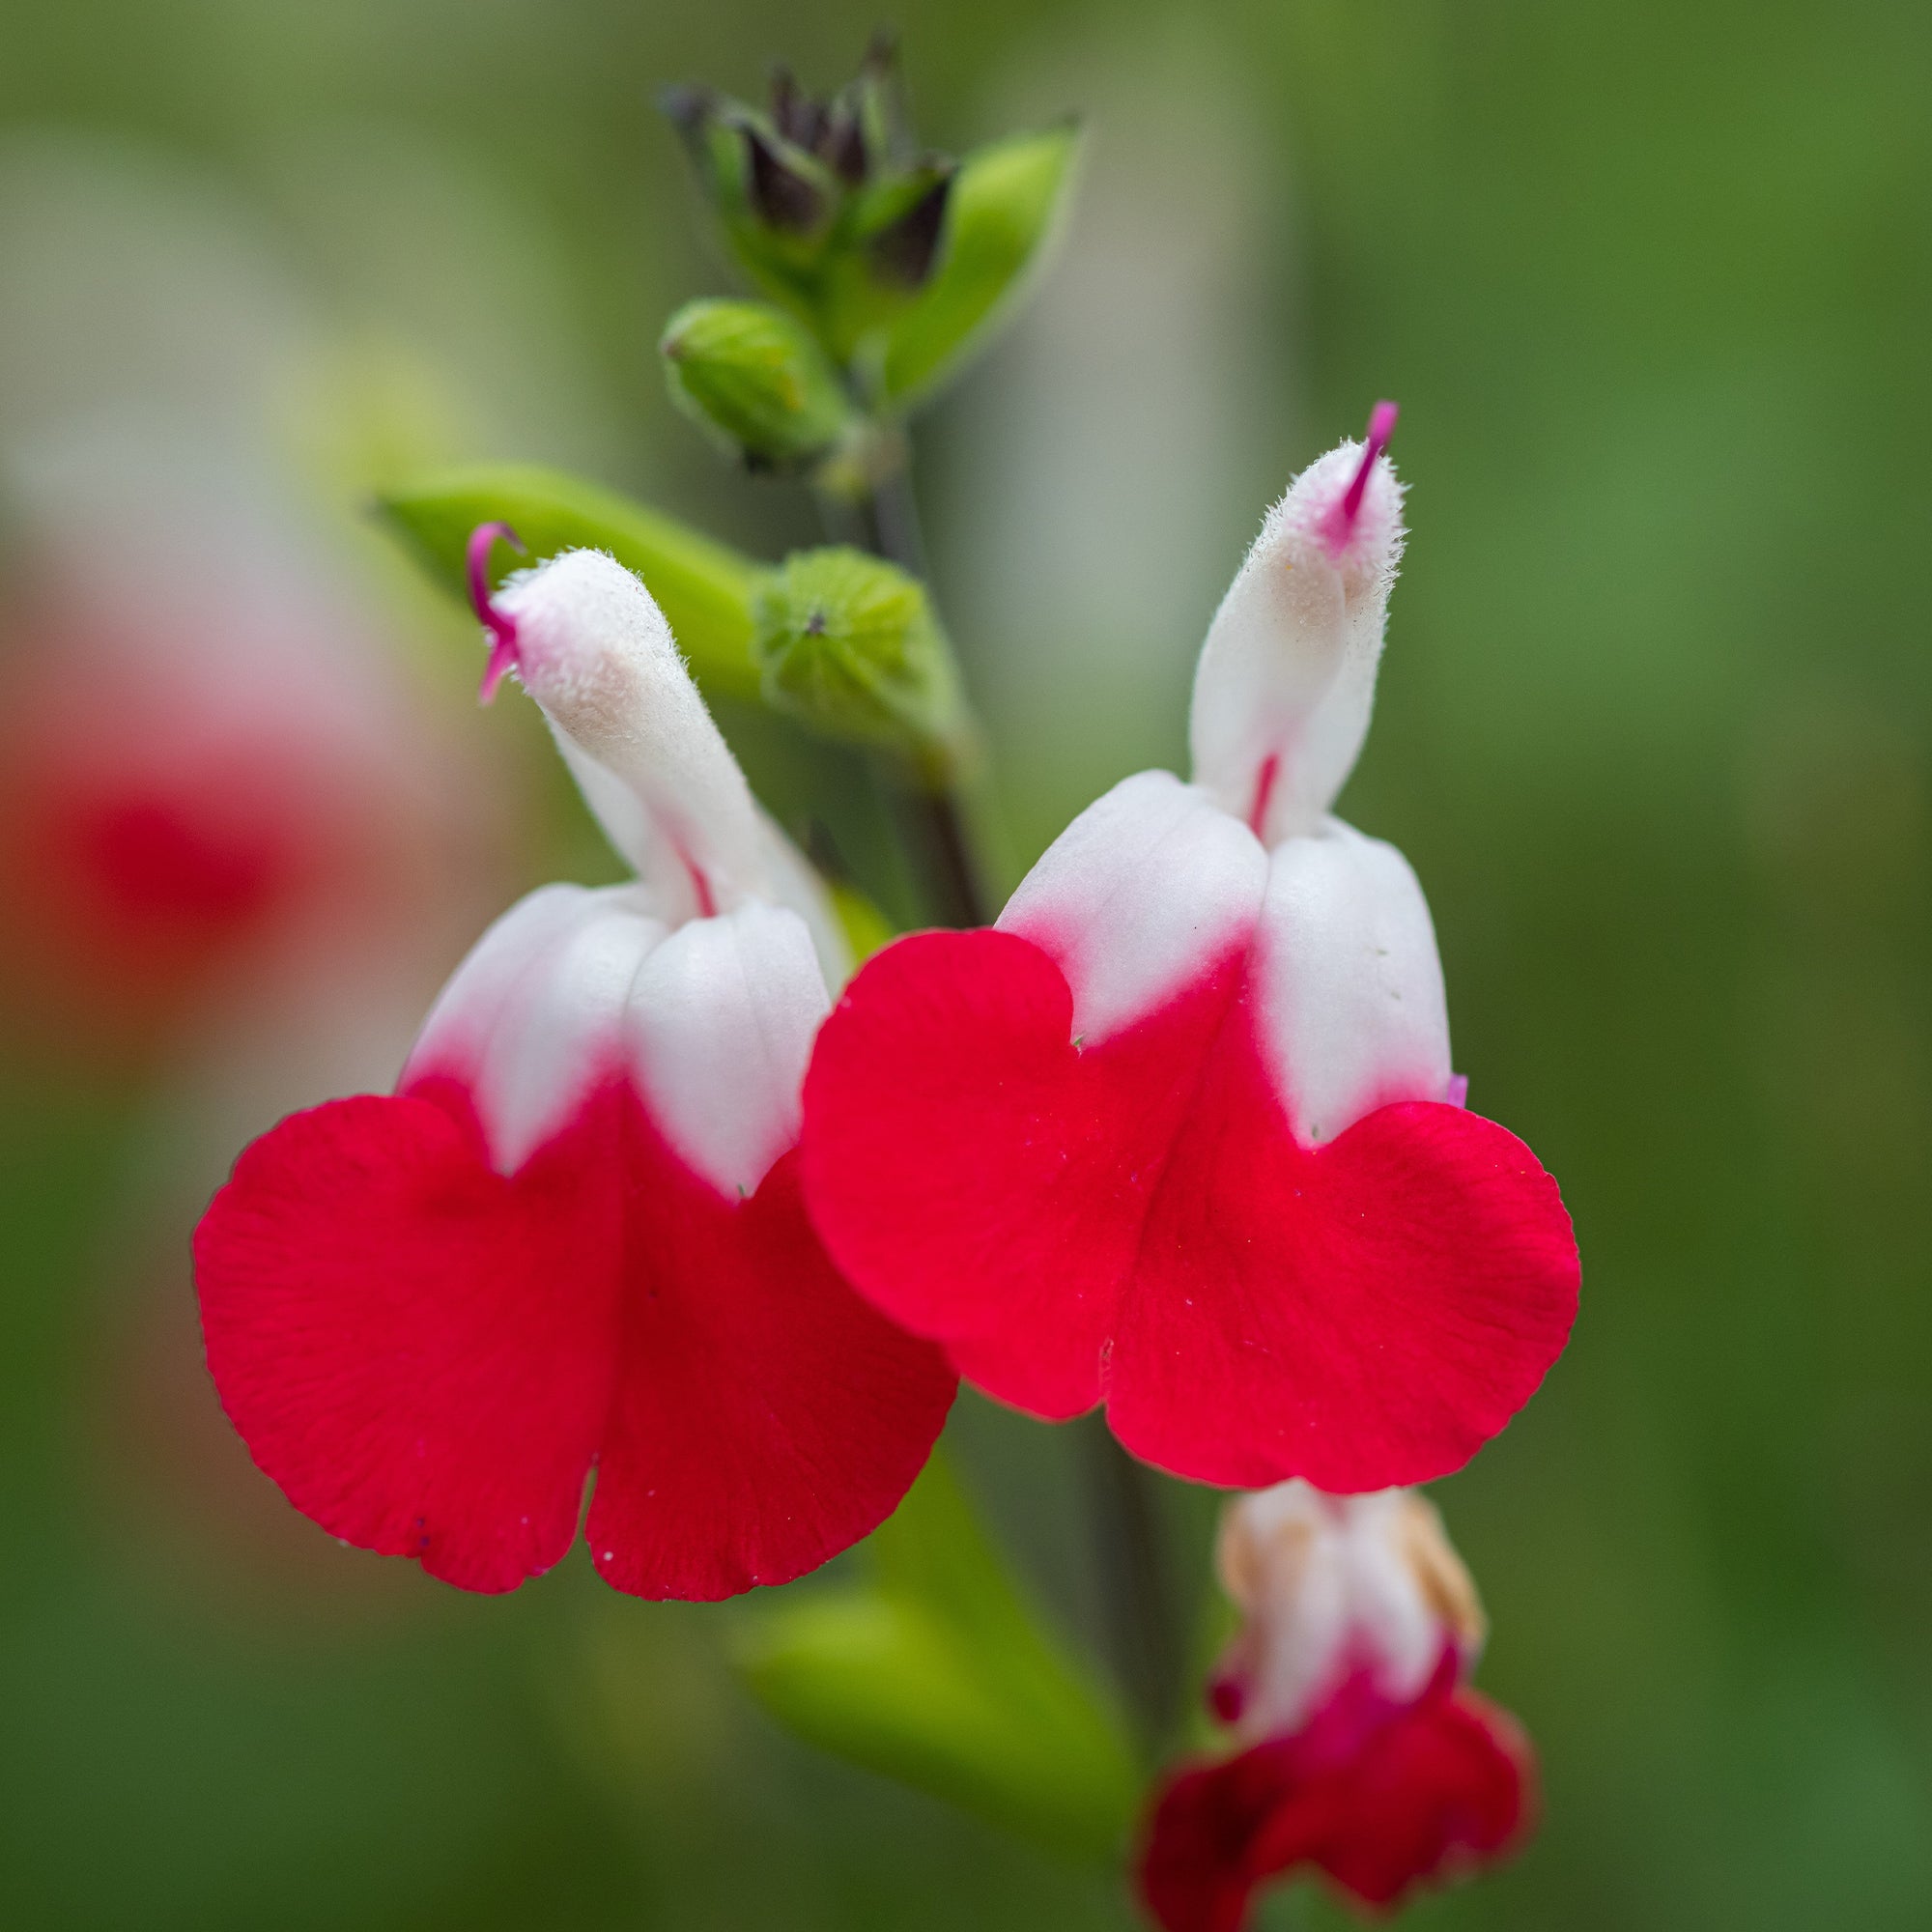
x=1135, y=1574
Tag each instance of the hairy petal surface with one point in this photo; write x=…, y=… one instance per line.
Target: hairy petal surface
x=596, y=653
x=1286, y=677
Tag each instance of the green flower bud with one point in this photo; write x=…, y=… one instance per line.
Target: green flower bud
x=849, y=644
x=756, y=380
x=776, y=202
x=902, y=262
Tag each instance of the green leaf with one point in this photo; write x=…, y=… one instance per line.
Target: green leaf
x=935, y=1673
x=1006, y=204
x=703, y=587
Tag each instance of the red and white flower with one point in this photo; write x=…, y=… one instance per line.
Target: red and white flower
x=1181, y=1132
x=574, y=1234
x=1359, y=1752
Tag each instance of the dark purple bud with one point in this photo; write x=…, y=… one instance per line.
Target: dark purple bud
x=844, y=147
x=780, y=198
x=903, y=252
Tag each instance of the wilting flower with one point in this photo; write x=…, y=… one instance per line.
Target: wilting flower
x=1181, y=1132
x=1359, y=1750
x=574, y=1234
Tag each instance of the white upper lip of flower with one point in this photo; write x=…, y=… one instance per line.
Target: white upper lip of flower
x=704, y=981
x=1288, y=672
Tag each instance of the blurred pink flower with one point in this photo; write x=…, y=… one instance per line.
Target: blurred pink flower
x=1360, y=1751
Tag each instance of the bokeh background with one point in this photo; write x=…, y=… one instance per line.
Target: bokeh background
x=1651, y=284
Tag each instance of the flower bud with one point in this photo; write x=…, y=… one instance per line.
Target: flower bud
x=756, y=380
x=776, y=201
x=849, y=644
x=1360, y=1752
x=900, y=261
x=1344, y=1600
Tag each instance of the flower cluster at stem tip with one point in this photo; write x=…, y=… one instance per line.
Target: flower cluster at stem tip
x=666, y=1191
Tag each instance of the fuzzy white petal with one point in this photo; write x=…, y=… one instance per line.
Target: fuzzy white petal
x=1139, y=897
x=535, y=1014
x=720, y=1022
x=1288, y=672
x=1349, y=986
x=595, y=651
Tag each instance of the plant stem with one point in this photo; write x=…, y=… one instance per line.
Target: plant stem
x=1143, y=1625
x=1136, y=1580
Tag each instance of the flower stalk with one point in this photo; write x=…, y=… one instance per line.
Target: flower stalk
x=1131, y=1560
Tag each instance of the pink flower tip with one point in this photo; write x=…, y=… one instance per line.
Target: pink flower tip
x=1339, y=526
x=501, y=627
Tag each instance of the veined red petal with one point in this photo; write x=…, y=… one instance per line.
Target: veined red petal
x=767, y=1417
x=1137, y=1219
x=1444, y=1787
x=419, y=1350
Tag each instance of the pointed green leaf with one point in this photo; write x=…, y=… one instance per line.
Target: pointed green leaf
x=703, y=587
x=937, y=1673
x=1006, y=204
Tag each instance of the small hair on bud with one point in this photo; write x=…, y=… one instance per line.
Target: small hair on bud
x=501, y=627
x=1339, y=526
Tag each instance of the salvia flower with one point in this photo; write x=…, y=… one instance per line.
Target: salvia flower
x=574, y=1233
x=1181, y=1131
x=1359, y=1752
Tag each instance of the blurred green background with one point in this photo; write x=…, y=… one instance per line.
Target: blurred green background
x=1653, y=286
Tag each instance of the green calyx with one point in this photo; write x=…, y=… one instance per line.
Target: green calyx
x=849, y=645
x=900, y=262
x=756, y=379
